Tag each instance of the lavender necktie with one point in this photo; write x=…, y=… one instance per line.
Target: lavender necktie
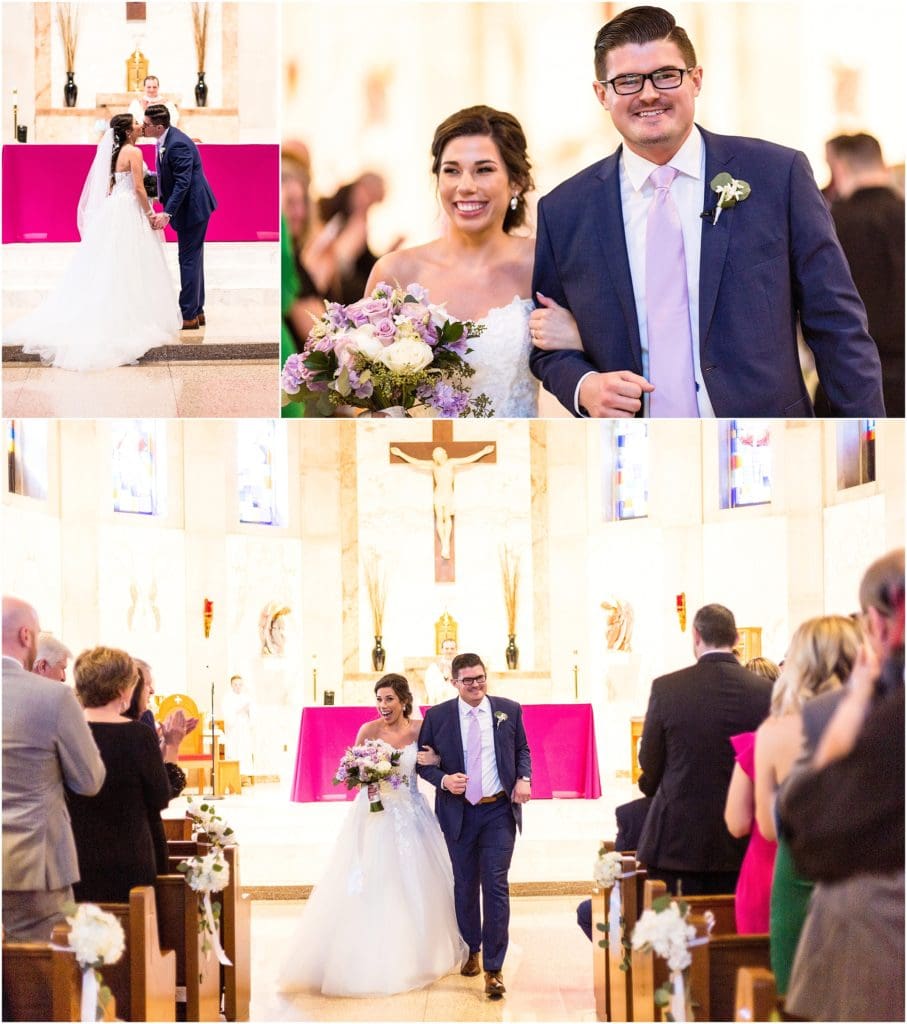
x=474, y=758
x=668, y=305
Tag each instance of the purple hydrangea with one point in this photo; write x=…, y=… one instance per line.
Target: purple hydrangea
x=293, y=374
x=448, y=400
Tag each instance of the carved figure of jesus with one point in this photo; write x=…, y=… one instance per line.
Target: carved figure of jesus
x=442, y=468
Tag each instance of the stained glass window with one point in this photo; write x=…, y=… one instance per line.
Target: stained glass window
x=26, y=457
x=262, y=471
x=856, y=452
x=747, y=463
x=628, y=487
x=138, y=460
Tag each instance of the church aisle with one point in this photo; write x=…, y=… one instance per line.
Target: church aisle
x=178, y=388
x=548, y=973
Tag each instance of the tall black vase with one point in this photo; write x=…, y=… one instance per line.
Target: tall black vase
x=378, y=655
x=201, y=91
x=70, y=90
x=512, y=654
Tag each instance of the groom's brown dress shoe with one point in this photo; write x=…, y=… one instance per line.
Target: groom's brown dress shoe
x=471, y=968
x=494, y=985
x=190, y=325
x=201, y=319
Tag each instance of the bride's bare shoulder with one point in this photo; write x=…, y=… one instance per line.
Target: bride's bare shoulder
x=403, y=265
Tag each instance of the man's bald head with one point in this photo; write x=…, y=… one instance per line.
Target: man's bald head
x=20, y=631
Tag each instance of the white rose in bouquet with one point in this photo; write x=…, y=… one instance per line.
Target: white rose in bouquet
x=364, y=339
x=406, y=354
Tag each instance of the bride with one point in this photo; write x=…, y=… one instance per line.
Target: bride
x=388, y=871
x=479, y=268
x=116, y=298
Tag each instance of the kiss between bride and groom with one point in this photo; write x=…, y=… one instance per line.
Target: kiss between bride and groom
x=116, y=299
x=666, y=284
x=390, y=872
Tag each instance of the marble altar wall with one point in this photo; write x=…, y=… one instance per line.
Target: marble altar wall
x=243, y=42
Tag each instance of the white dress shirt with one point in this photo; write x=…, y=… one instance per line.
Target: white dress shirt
x=636, y=193
x=491, y=781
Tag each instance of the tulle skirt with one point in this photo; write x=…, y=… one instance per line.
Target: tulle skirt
x=116, y=298
x=382, y=918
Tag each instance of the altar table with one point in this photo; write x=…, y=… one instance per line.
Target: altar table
x=561, y=738
x=42, y=185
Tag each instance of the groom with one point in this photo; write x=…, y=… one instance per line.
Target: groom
x=685, y=309
x=188, y=204
x=482, y=781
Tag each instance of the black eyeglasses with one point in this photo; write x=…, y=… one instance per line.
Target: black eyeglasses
x=468, y=680
x=663, y=78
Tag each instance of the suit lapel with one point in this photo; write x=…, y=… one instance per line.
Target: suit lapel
x=494, y=737
x=609, y=223
x=458, y=734
x=715, y=237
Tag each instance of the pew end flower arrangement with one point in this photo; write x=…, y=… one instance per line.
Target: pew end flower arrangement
x=96, y=938
x=391, y=351
x=209, y=873
x=607, y=870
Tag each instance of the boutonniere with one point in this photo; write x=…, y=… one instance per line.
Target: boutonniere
x=731, y=191
x=499, y=716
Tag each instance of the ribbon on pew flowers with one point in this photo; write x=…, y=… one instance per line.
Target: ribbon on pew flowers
x=608, y=869
x=96, y=938
x=209, y=873
x=665, y=929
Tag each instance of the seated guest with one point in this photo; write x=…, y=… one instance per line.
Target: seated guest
x=170, y=735
x=149, y=96
x=52, y=658
x=843, y=816
x=820, y=658
x=113, y=829
x=631, y=817
x=46, y=744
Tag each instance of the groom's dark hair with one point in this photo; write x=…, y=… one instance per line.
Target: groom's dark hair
x=157, y=113
x=640, y=25
x=462, y=661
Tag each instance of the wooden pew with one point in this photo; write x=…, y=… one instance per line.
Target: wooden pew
x=722, y=907
x=647, y=972
x=143, y=982
x=235, y=928
x=198, y=974
x=713, y=972
x=42, y=981
x=178, y=828
x=757, y=997
x=600, y=962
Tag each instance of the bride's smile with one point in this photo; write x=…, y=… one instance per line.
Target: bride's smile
x=473, y=184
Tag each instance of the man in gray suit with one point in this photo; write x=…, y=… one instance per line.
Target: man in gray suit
x=46, y=743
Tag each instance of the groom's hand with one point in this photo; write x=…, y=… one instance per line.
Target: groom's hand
x=615, y=394
x=522, y=792
x=455, y=783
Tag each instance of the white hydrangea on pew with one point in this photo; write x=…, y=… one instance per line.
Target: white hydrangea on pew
x=209, y=873
x=665, y=930
x=96, y=938
x=607, y=868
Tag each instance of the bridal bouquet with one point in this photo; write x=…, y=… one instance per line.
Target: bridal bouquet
x=391, y=350
x=370, y=764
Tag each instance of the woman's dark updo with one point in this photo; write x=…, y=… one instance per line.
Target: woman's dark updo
x=121, y=125
x=508, y=136
x=400, y=686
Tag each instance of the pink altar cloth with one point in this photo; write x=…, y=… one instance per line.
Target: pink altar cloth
x=42, y=185
x=561, y=738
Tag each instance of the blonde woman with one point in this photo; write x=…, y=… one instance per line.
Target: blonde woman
x=820, y=658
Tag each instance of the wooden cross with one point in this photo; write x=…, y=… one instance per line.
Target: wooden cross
x=443, y=468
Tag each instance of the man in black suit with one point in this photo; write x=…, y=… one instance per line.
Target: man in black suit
x=188, y=204
x=482, y=781
x=687, y=759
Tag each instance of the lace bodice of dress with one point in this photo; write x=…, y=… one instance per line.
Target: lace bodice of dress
x=408, y=765
x=122, y=183
x=500, y=356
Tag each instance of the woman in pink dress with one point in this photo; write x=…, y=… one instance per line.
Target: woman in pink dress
x=754, y=884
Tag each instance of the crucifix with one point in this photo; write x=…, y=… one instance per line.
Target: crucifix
x=442, y=455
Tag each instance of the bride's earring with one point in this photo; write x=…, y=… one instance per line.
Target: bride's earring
x=513, y=202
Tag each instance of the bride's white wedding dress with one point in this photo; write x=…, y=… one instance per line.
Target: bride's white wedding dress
x=500, y=356
x=116, y=299
x=382, y=918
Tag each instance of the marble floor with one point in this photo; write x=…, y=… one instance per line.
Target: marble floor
x=228, y=368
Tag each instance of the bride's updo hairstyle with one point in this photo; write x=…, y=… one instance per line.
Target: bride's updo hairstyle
x=820, y=658
x=400, y=686
x=508, y=136
x=121, y=125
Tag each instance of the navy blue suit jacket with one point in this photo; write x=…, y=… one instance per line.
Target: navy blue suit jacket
x=184, y=189
x=769, y=262
x=441, y=731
